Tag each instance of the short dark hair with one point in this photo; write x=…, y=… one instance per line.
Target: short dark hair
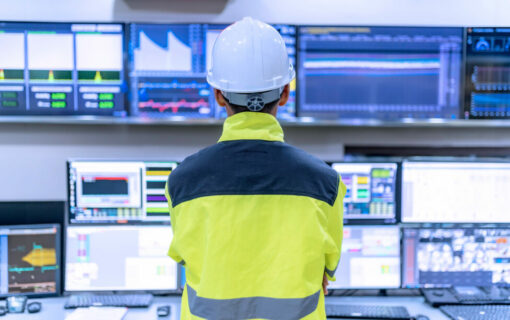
x=268, y=107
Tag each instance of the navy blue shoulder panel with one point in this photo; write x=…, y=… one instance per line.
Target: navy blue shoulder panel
x=252, y=167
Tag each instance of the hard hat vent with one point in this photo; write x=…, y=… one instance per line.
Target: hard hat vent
x=255, y=103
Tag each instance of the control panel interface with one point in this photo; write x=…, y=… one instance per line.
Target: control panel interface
x=487, y=85
x=106, y=258
x=371, y=190
x=383, y=73
x=473, y=192
x=370, y=258
x=169, y=64
x=118, y=191
x=29, y=260
x=456, y=257
x=62, y=69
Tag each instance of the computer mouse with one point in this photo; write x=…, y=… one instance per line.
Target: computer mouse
x=421, y=317
x=3, y=311
x=164, y=311
x=34, y=307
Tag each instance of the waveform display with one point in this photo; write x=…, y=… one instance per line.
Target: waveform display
x=51, y=75
x=163, y=49
x=174, y=106
x=99, y=76
x=347, y=64
x=32, y=263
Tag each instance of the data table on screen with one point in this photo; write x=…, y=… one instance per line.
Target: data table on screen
x=62, y=69
x=384, y=73
x=472, y=192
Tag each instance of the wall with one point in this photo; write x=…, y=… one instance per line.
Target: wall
x=33, y=156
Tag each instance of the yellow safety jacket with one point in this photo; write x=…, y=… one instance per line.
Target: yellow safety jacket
x=256, y=224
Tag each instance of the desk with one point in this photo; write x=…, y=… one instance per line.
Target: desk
x=53, y=308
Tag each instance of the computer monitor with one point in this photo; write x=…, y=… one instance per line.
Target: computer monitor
x=119, y=258
x=169, y=64
x=455, y=256
x=383, y=73
x=118, y=191
x=370, y=258
x=449, y=192
x=30, y=260
x=62, y=69
x=487, y=89
x=371, y=191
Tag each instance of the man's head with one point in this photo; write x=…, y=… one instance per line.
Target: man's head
x=250, y=68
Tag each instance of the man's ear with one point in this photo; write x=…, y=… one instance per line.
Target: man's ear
x=220, y=100
x=285, y=95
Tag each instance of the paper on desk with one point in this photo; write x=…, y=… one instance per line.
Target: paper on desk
x=98, y=313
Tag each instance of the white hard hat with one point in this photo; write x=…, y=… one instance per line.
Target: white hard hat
x=249, y=56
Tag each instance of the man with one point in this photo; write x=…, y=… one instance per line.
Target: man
x=257, y=223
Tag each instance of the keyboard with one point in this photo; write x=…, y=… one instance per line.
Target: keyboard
x=109, y=300
x=487, y=312
x=366, y=312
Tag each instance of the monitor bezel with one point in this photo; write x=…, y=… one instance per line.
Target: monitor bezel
x=59, y=256
x=443, y=160
x=398, y=183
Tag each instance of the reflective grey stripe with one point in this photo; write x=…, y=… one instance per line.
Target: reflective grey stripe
x=251, y=308
x=331, y=273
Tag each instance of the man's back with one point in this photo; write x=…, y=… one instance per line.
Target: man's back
x=256, y=223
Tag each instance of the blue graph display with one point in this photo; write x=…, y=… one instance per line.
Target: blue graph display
x=384, y=73
x=487, y=94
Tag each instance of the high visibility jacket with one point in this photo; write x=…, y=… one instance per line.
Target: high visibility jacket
x=256, y=224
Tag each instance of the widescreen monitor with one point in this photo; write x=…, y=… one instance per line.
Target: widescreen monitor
x=118, y=191
x=487, y=88
x=371, y=195
x=456, y=191
x=119, y=258
x=169, y=64
x=30, y=260
x=382, y=73
x=62, y=69
x=455, y=256
x=370, y=258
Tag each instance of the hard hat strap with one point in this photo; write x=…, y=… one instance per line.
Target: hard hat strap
x=253, y=101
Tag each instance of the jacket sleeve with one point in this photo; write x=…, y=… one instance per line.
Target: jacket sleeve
x=173, y=251
x=335, y=232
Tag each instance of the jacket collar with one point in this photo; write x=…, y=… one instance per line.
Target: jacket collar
x=252, y=126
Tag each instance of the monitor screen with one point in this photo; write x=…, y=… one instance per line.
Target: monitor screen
x=169, y=64
x=370, y=258
x=114, y=258
x=30, y=260
x=371, y=191
x=118, y=191
x=487, y=94
x=473, y=192
x=62, y=69
x=441, y=257
x=384, y=73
